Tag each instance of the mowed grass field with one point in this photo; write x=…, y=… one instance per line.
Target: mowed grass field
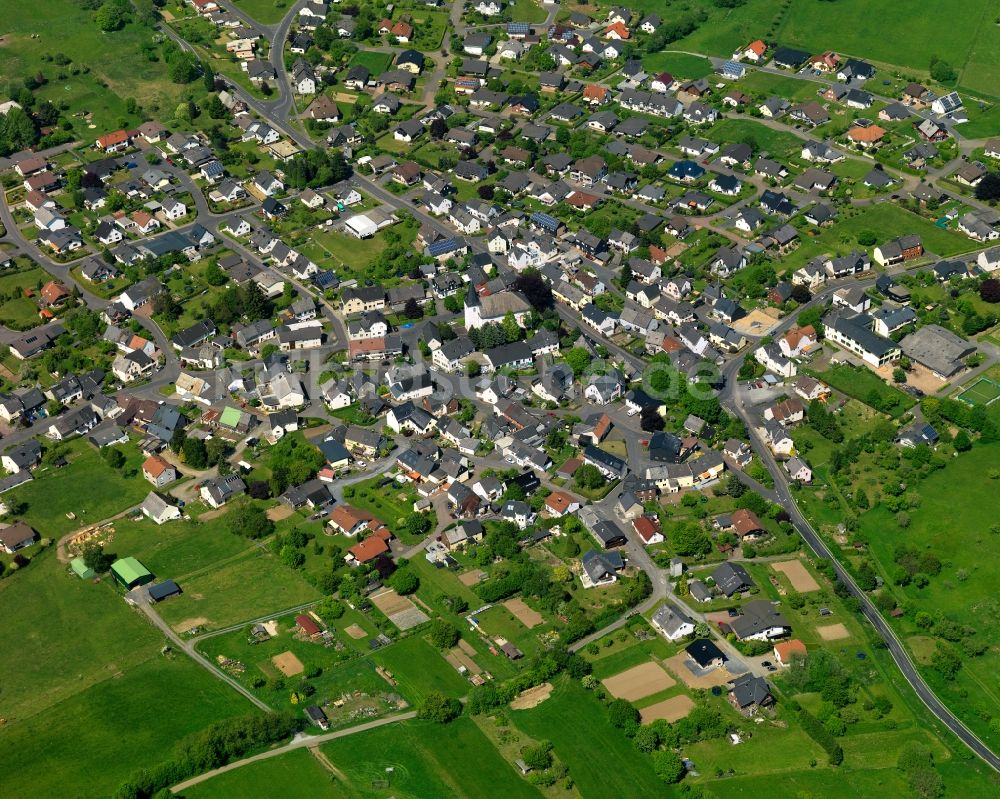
x=680, y=65
x=177, y=549
x=427, y=760
x=61, y=636
x=21, y=312
x=237, y=590
x=602, y=761
x=424, y=760
x=86, y=745
x=87, y=487
x=299, y=773
x=887, y=221
x=954, y=522
x=112, y=59
x=420, y=669
x=778, y=144
x=86, y=694
x=267, y=12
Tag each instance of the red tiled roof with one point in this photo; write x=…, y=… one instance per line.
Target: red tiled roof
x=745, y=522
x=646, y=528
x=347, y=517
x=307, y=625
x=53, y=292
x=558, y=501
x=619, y=28
x=870, y=134
x=154, y=466
x=112, y=139
x=784, y=650
x=369, y=549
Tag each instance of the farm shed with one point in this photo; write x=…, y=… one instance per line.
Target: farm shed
x=81, y=570
x=167, y=588
x=130, y=573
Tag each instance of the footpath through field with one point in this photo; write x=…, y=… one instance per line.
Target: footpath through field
x=298, y=742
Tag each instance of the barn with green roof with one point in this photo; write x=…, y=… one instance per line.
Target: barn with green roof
x=129, y=573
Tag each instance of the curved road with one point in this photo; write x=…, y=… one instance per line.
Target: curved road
x=277, y=113
x=868, y=609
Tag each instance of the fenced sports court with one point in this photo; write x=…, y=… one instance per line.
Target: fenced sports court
x=983, y=392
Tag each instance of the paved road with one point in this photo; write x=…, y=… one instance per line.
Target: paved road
x=782, y=493
x=277, y=113
x=299, y=742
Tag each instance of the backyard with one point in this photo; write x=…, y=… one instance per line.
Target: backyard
x=863, y=384
x=87, y=488
x=16, y=310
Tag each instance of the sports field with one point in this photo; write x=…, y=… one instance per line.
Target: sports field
x=983, y=392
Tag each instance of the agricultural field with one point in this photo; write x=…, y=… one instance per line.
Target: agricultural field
x=93, y=740
x=96, y=669
x=957, y=38
x=104, y=69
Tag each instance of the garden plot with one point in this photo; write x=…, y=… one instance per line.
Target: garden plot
x=471, y=578
x=528, y=617
x=288, y=664
x=399, y=609
x=533, y=697
x=638, y=682
x=798, y=575
x=673, y=709
x=460, y=659
x=833, y=632
x=356, y=632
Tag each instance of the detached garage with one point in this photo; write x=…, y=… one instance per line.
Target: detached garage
x=129, y=573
